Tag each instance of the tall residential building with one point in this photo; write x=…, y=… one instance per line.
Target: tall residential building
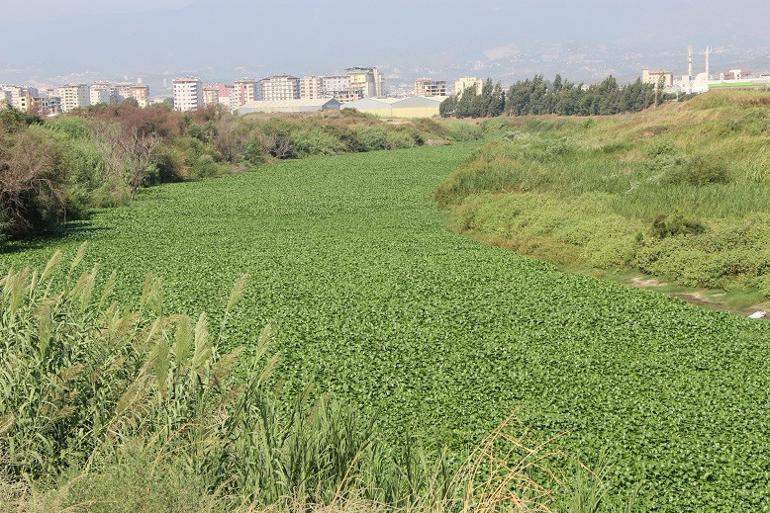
x=280, y=87
x=188, y=94
x=311, y=88
x=102, y=92
x=139, y=92
x=211, y=95
x=245, y=90
x=429, y=87
x=366, y=80
x=465, y=83
x=20, y=98
x=75, y=96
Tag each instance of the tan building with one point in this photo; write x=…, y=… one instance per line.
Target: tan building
x=655, y=77
x=311, y=88
x=280, y=87
x=367, y=82
x=139, y=92
x=76, y=96
x=465, y=83
x=210, y=95
x=429, y=87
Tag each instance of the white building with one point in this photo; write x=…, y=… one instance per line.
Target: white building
x=463, y=84
x=74, y=96
x=188, y=94
x=102, y=93
x=280, y=87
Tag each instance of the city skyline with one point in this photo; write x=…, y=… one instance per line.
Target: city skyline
x=514, y=39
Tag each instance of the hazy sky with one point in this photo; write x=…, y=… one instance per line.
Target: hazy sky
x=506, y=39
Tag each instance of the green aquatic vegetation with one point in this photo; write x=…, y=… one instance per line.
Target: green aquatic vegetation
x=439, y=337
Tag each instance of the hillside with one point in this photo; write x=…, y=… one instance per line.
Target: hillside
x=681, y=193
x=436, y=337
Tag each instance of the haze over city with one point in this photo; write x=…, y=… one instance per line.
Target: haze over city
x=507, y=40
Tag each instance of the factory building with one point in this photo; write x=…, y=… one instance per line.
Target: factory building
x=290, y=106
x=412, y=107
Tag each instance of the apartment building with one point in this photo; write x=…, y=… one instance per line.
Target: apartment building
x=211, y=95
x=366, y=81
x=46, y=105
x=102, y=93
x=74, y=96
x=245, y=90
x=463, y=84
x=429, y=87
x=188, y=94
x=138, y=92
x=20, y=98
x=280, y=87
x=311, y=88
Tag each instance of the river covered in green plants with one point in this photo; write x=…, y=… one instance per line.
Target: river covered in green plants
x=436, y=336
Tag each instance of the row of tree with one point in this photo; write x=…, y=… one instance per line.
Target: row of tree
x=538, y=96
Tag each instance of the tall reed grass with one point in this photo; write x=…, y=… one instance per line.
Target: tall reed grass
x=119, y=408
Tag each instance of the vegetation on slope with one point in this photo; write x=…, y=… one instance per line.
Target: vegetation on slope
x=55, y=170
x=682, y=192
x=437, y=338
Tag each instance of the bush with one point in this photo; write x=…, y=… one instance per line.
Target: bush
x=698, y=171
x=34, y=176
x=315, y=141
x=671, y=226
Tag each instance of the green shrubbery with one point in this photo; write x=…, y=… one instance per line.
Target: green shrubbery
x=102, y=155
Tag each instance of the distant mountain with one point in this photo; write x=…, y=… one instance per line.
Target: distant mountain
x=507, y=40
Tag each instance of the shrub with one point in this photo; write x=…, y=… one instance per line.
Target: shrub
x=33, y=181
x=670, y=226
x=697, y=171
x=315, y=141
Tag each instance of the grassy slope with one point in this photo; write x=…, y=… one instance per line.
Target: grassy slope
x=586, y=193
x=442, y=337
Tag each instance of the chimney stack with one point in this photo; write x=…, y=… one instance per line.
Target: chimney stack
x=689, y=62
x=708, y=56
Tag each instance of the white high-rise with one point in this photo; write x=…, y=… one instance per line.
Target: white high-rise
x=188, y=94
x=280, y=87
x=102, y=93
x=75, y=96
